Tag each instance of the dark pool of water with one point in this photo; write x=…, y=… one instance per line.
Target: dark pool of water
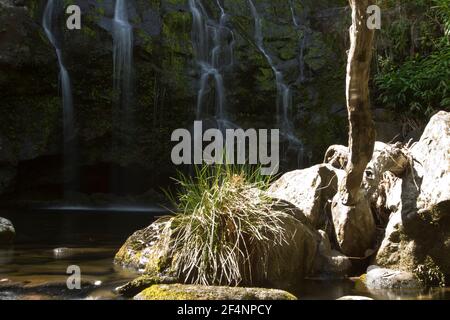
x=49, y=241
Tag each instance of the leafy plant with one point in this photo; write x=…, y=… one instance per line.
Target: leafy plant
x=420, y=86
x=414, y=77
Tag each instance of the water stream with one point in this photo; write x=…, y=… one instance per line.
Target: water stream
x=123, y=112
x=122, y=53
x=284, y=93
x=70, y=143
x=213, y=43
x=35, y=268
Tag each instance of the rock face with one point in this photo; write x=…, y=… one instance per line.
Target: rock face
x=309, y=190
x=7, y=232
x=167, y=77
x=381, y=278
x=417, y=237
x=191, y=292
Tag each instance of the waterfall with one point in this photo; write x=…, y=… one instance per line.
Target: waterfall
x=294, y=17
x=302, y=41
x=213, y=52
x=70, y=149
x=123, y=132
x=123, y=53
x=284, y=94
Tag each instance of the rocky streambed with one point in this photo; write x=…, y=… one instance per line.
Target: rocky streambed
x=396, y=237
x=394, y=245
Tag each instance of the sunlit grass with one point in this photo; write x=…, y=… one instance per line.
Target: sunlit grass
x=225, y=226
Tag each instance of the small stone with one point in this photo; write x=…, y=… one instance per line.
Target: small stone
x=356, y=298
x=382, y=278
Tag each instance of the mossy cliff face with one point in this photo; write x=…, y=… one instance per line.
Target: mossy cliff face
x=308, y=48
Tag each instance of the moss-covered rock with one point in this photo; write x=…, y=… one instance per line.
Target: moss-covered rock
x=147, y=250
x=191, y=292
x=137, y=285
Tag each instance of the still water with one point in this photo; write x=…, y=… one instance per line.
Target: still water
x=48, y=241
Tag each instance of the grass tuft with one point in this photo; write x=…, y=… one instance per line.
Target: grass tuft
x=225, y=227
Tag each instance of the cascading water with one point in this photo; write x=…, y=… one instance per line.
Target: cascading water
x=123, y=112
x=213, y=48
x=70, y=143
x=123, y=53
x=302, y=42
x=284, y=94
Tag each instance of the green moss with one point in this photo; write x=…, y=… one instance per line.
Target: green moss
x=192, y=292
x=157, y=292
x=141, y=283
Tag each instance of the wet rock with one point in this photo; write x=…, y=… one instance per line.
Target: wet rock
x=70, y=253
x=45, y=290
x=7, y=231
x=192, y=292
x=417, y=237
x=145, y=251
x=355, y=298
x=381, y=278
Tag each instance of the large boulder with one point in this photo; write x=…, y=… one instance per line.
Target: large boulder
x=309, y=190
x=355, y=225
x=193, y=292
x=417, y=238
x=149, y=251
x=291, y=262
x=7, y=231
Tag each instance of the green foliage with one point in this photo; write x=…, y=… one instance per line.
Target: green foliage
x=225, y=227
x=420, y=86
x=414, y=69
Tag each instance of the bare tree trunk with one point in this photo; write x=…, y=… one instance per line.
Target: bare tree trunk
x=362, y=129
x=353, y=221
